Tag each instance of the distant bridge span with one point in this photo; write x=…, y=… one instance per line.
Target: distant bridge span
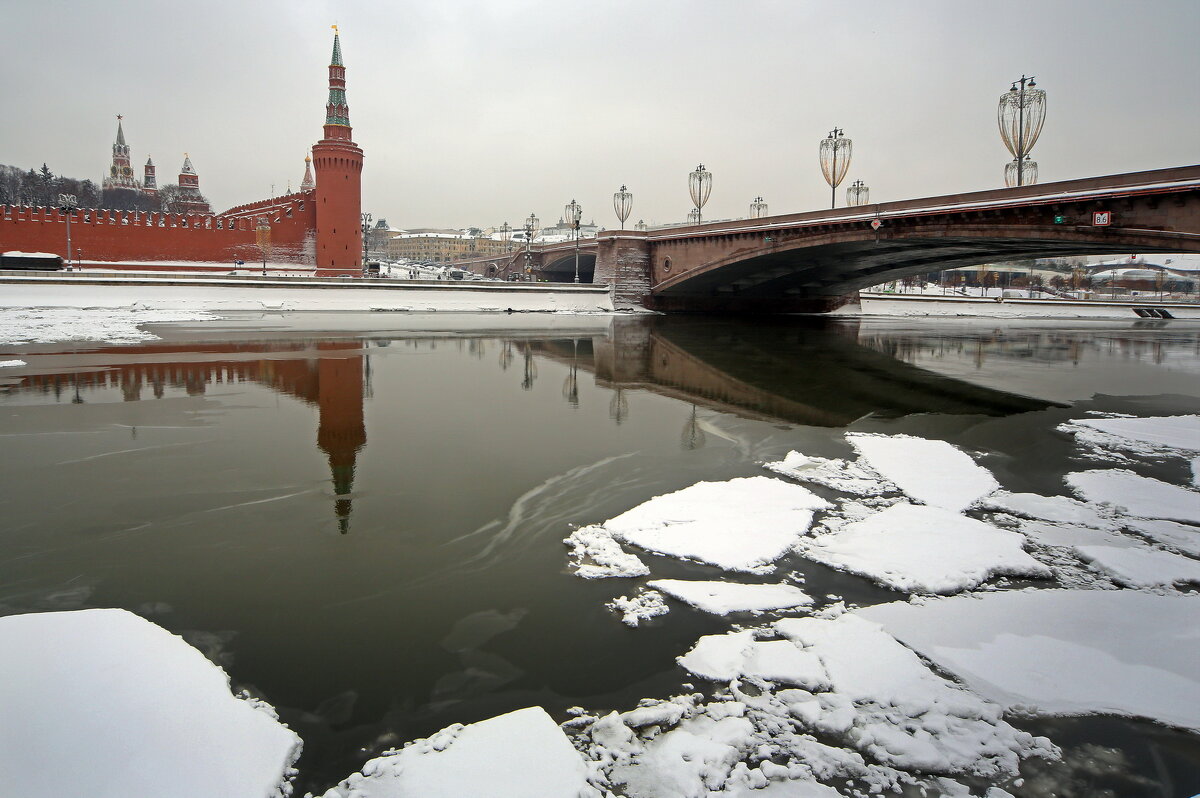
x=809, y=261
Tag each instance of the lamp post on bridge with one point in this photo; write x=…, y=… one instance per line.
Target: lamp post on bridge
x=573, y=212
x=505, y=234
x=836, y=150
x=531, y=227
x=623, y=204
x=1020, y=116
x=699, y=186
x=857, y=194
x=758, y=208
x=67, y=203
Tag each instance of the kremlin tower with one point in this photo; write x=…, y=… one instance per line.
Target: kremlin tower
x=190, y=199
x=150, y=182
x=120, y=174
x=307, y=184
x=338, y=161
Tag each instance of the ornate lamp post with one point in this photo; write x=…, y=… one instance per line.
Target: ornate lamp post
x=262, y=232
x=531, y=228
x=857, y=194
x=366, y=232
x=67, y=203
x=699, y=186
x=623, y=204
x=758, y=208
x=835, y=161
x=572, y=213
x=505, y=234
x=1020, y=116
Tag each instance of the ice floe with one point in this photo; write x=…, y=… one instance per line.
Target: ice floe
x=11, y=363
x=1063, y=652
x=1137, y=495
x=743, y=524
x=844, y=476
x=1140, y=566
x=722, y=598
x=932, y=472
x=103, y=703
x=923, y=549
x=114, y=325
x=1177, y=435
x=1180, y=537
x=517, y=755
x=595, y=555
x=1059, y=509
x=641, y=607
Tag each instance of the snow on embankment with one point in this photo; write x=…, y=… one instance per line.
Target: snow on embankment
x=105, y=704
x=112, y=325
x=1063, y=652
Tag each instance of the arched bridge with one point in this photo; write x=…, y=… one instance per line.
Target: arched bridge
x=809, y=261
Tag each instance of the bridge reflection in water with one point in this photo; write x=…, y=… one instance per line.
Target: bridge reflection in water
x=810, y=372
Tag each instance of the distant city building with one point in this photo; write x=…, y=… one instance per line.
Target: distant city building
x=440, y=245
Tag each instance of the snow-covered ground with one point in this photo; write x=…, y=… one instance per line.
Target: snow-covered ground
x=112, y=325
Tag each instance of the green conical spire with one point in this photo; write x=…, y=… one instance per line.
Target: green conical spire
x=337, y=50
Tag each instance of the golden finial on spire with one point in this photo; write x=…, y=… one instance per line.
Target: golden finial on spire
x=335, y=30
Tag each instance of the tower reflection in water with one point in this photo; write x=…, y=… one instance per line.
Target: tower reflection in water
x=335, y=378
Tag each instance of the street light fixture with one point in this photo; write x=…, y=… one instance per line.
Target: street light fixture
x=857, y=194
x=572, y=213
x=262, y=231
x=835, y=161
x=67, y=203
x=505, y=235
x=758, y=208
x=623, y=204
x=699, y=186
x=366, y=231
x=1020, y=115
x=531, y=228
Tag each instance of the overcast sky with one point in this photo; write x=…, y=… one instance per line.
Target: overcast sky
x=476, y=112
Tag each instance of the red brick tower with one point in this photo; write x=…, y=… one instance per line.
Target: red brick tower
x=338, y=162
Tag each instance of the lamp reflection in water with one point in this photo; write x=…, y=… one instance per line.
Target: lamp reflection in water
x=618, y=406
x=693, y=434
x=571, y=384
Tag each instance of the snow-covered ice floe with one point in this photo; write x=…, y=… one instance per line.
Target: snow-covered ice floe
x=103, y=703
x=1063, y=652
x=113, y=325
x=11, y=363
x=641, y=607
x=1159, y=435
x=596, y=555
x=854, y=478
x=923, y=549
x=743, y=524
x=1138, y=496
x=722, y=598
x=518, y=755
x=932, y=472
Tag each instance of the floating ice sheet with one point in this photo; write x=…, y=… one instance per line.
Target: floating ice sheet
x=11, y=363
x=923, y=549
x=1137, y=495
x=115, y=325
x=103, y=703
x=641, y=607
x=595, y=555
x=1179, y=435
x=740, y=525
x=1182, y=537
x=847, y=477
x=932, y=472
x=518, y=755
x=1142, y=567
x=722, y=598
x=1063, y=652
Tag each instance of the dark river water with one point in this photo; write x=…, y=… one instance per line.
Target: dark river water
x=360, y=517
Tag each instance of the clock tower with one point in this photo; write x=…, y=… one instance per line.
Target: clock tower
x=120, y=174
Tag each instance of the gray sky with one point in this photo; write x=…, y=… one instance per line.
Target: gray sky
x=474, y=112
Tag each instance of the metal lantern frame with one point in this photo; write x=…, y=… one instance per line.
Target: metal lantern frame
x=693, y=216
x=1020, y=115
x=573, y=212
x=699, y=187
x=68, y=203
x=758, y=208
x=532, y=225
x=623, y=204
x=836, y=151
x=505, y=234
x=857, y=193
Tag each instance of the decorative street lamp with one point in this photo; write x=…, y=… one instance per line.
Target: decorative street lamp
x=1020, y=116
x=67, y=203
x=758, y=208
x=857, y=193
x=623, y=204
x=366, y=231
x=262, y=231
x=641, y=225
x=700, y=186
x=835, y=161
x=572, y=214
x=505, y=234
x=531, y=228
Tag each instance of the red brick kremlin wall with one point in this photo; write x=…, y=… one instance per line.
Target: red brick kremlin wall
x=143, y=236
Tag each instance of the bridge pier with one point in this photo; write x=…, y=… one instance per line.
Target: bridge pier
x=623, y=260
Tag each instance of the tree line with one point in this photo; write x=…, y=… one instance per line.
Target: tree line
x=41, y=187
